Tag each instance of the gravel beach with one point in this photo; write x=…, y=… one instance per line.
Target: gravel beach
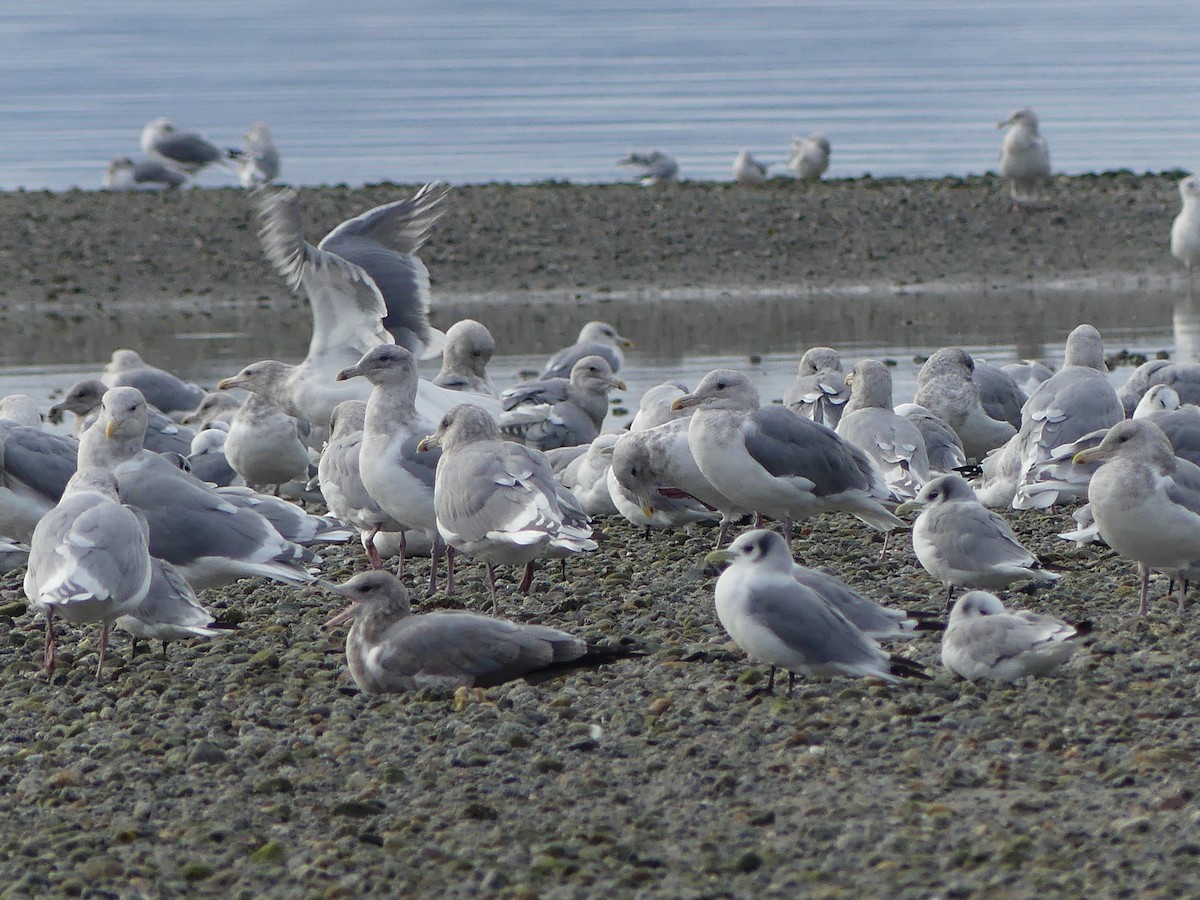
x=249, y=765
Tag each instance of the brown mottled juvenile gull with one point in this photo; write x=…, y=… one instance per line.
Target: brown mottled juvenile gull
x=1024, y=156
x=869, y=423
x=83, y=398
x=777, y=463
x=809, y=157
x=595, y=339
x=88, y=559
x=164, y=391
x=946, y=387
x=560, y=412
x=779, y=621
x=389, y=648
x=820, y=390
x=986, y=642
x=498, y=501
x=209, y=539
x=962, y=544
x=395, y=474
x=469, y=349
x=1146, y=502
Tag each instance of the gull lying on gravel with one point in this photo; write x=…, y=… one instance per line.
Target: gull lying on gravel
x=1024, y=157
x=809, y=157
x=560, y=412
x=88, y=559
x=775, y=462
x=258, y=162
x=655, y=167
x=984, y=641
x=962, y=544
x=499, y=501
x=747, y=170
x=163, y=390
x=595, y=339
x=183, y=151
x=127, y=174
x=779, y=621
x=390, y=649
x=820, y=390
x=641, y=496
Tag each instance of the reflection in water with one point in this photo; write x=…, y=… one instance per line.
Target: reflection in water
x=1185, y=325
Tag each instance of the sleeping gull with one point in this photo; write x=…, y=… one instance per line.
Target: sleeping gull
x=946, y=387
x=943, y=446
x=747, y=170
x=1024, y=156
x=88, y=560
x=258, y=162
x=169, y=611
x=265, y=445
x=595, y=339
x=962, y=544
x=83, y=398
x=1028, y=374
x=1185, y=230
x=185, y=151
x=398, y=477
x=640, y=494
x=869, y=423
x=560, y=412
x=498, y=501
x=809, y=157
x=206, y=459
x=340, y=478
x=1146, y=502
x=1001, y=396
x=20, y=409
x=984, y=641
x=390, y=649
x=776, y=463
x=162, y=389
x=779, y=621
x=127, y=174
x=1183, y=378
x=210, y=540
x=820, y=390
x=469, y=349
x=656, y=168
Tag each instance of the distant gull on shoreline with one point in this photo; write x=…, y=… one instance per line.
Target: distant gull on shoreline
x=1185, y=230
x=656, y=167
x=1024, y=158
x=127, y=174
x=748, y=170
x=809, y=157
x=184, y=151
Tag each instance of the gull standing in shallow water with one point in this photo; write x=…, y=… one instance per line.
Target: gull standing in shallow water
x=390, y=649
x=776, y=463
x=88, y=560
x=1146, y=502
x=499, y=501
x=962, y=544
x=984, y=641
x=1024, y=157
x=1185, y=230
x=779, y=621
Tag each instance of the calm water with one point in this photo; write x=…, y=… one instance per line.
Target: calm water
x=525, y=90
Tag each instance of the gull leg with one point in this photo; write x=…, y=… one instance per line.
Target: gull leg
x=771, y=681
x=439, y=547
x=1183, y=586
x=791, y=682
x=48, y=653
x=723, y=531
x=887, y=542
x=103, y=648
x=527, y=578
x=449, y=571
x=372, y=552
x=491, y=570
x=1144, y=606
x=949, y=596
x=403, y=550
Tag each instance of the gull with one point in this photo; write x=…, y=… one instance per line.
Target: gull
x=83, y=399
x=942, y=444
x=1185, y=230
x=396, y=475
x=20, y=409
x=258, y=163
x=340, y=479
x=293, y=523
x=655, y=407
x=560, y=412
x=88, y=559
x=169, y=611
x=873, y=619
x=777, y=620
x=820, y=390
x=1028, y=374
x=984, y=641
x=388, y=648
x=265, y=445
x=657, y=168
x=1184, y=378
x=207, y=461
x=1001, y=396
x=469, y=349
x=1146, y=502
x=184, y=151
x=946, y=387
x=869, y=423
x=962, y=544
x=747, y=170
x=209, y=539
x=499, y=501
x=586, y=477
x=1024, y=156
x=809, y=157
x=595, y=339
x=35, y=467
x=163, y=390
x=13, y=555
x=127, y=174
x=639, y=494
x=776, y=463
x=215, y=406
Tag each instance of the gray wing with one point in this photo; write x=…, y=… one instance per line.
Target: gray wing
x=566, y=426
x=36, y=460
x=560, y=364
x=347, y=307
x=188, y=149
x=970, y=537
x=1065, y=407
x=992, y=640
x=866, y=615
x=809, y=627
x=161, y=389
x=1182, y=428
x=534, y=392
x=999, y=393
x=163, y=435
x=786, y=444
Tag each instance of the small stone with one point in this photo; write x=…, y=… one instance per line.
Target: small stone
x=358, y=809
x=206, y=753
x=197, y=871
x=270, y=853
x=659, y=706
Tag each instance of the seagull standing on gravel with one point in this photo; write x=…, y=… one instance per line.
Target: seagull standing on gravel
x=777, y=620
x=984, y=641
x=657, y=168
x=1185, y=230
x=747, y=170
x=809, y=157
x=1024, y=157
x=184, y=151
x=258, y=163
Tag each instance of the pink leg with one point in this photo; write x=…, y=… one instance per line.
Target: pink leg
x=435, y=557
x=48, y=653
x=103, y=648
x=527, y=578
x=372, y=552
x=449, y=571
